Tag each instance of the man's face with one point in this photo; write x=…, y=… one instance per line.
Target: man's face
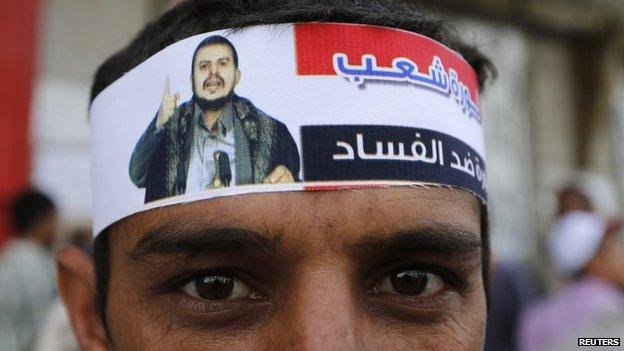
x=570, y=200
x=384, y=269
x=46, y=229
x=215, y=74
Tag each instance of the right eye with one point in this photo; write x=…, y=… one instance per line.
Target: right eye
x=219, y=286
x=412, y=283
x=409, y=282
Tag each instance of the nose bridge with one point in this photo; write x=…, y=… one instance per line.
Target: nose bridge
x=212, y=68
x=324, y=310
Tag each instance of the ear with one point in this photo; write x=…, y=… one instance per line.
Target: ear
x=76, y=281
x=237, y=77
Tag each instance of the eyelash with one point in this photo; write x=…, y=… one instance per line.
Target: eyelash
x=178, y=282
x=451, y=279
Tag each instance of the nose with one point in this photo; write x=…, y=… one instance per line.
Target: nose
x=323, y=312
x=214, y=70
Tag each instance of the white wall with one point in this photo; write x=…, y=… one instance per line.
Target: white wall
x=508, y=141
x=552, y=96
x=75, y=38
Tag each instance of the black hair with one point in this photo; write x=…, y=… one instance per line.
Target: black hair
x=194, y=17
x=28, y=208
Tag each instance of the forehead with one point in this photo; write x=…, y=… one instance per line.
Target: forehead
x=214, y=52
x=317, y=218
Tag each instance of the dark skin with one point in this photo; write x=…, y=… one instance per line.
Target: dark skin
x=382, y=269
x=608, y=261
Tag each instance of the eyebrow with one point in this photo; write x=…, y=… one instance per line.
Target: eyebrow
x=438, y=238
x=226, y=58
x=190, y=241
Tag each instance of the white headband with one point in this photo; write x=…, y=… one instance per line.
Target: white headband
x=310, y=106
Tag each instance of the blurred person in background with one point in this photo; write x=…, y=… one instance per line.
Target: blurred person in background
x=27, y=270
x=572, y=198
x=586, y=249
x=587, y=191
x=515, y=287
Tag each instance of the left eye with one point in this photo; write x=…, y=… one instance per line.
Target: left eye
x=219, y=287
x=410, y=282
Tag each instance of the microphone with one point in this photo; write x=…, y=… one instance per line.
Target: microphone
x=223, y=169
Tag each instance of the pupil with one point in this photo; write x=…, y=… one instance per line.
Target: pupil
x=214, y=287
x=409, y=282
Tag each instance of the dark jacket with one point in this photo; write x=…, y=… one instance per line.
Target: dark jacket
x=160, y=160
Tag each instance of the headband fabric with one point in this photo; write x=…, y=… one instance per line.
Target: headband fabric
x=288, y=107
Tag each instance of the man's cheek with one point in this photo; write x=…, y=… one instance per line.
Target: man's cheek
x=459, y=330
x=465, y=331
x=169, y=337
x=439, y=337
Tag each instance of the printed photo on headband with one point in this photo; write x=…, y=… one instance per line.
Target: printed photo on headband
x=216, y=139
x=282, y=108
